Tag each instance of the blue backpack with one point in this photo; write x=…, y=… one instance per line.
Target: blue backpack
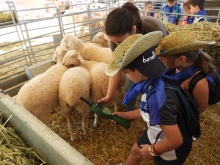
x=213, y=82
x=189, y=110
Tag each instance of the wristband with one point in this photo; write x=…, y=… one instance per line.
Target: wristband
x=152, y=151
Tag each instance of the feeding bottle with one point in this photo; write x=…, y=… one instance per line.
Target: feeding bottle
x=105, y=112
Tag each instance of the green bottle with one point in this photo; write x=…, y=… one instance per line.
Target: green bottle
x=105, y=112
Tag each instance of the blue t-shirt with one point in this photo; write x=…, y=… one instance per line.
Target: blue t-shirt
x=172, y=18
x=189, y=20
x=201, y=12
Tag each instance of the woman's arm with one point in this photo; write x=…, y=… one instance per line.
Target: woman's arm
x=201, y=94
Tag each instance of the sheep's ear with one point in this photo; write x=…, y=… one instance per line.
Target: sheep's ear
x=105, y=36
x=54, y=59
x=70, y=44
x=80, y=58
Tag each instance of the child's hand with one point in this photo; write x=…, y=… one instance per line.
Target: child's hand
x=121, y=114
x=144, y=151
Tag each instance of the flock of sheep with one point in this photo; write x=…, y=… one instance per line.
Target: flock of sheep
x=79, y=71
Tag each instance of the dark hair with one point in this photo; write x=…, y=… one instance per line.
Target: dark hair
x=199, y=3
x=121, y=20
x=203, y=61
x=148, y=2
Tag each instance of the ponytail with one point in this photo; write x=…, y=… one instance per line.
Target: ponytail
x=205, y=63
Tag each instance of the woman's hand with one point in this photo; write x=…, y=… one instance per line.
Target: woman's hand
x=105, y=100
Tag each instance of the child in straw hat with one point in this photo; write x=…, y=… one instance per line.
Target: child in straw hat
x=121, y=23
x=180, y=51
x=166, y=140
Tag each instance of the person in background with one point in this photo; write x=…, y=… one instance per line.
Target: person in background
x=120, y=24
x=173, y=7
x=186, y=10
x=180, y=51
x=149, y=8
x=197, y=8
x=166, y=140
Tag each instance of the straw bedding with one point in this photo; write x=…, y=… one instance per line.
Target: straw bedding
x=110, y=144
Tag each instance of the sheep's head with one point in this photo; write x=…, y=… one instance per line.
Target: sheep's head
x=72, y=58
x=100, y=38
x=68, y=41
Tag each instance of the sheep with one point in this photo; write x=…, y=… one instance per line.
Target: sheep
x=101, y=38
x=72, y=42
x=103, y=17
x=40, y=94
x=75, y=83
x=100, y=80
x=59, y=53
x=89, y=51
x=94, y=53
x=83, y=19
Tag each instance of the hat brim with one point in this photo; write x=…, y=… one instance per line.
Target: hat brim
x=130, y=53
x=182, y=49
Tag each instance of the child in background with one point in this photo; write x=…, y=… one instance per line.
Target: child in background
x=173, y=7
x=197, y=8
x=180, y=53
x=149, y=8
x=166, y=140
x=186, y=10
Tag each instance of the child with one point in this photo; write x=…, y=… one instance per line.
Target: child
x=197, y=8
x=166, y=140
x=181, y=54
x=149, y=8
x=186, y=9
x=172, y=7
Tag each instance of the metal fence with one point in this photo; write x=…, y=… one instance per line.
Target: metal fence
x=33, y=34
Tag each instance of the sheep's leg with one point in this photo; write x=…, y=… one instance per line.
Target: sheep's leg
x=82, y=30
x=95, y=120
x=66, y=111
x=115, y=106
x=69, y=124
x=84, y=127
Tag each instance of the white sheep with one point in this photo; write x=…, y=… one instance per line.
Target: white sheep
x=75, y=83
x=59, y=53
x=94, y=53
x=101, y=38
x=70, y=41
x=100, y=80
x=89, y=51
x=84, y=21
x=103, y=17
x=40, y=94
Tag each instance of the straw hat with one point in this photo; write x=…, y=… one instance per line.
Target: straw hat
x=179, y=42
x=132, y=47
